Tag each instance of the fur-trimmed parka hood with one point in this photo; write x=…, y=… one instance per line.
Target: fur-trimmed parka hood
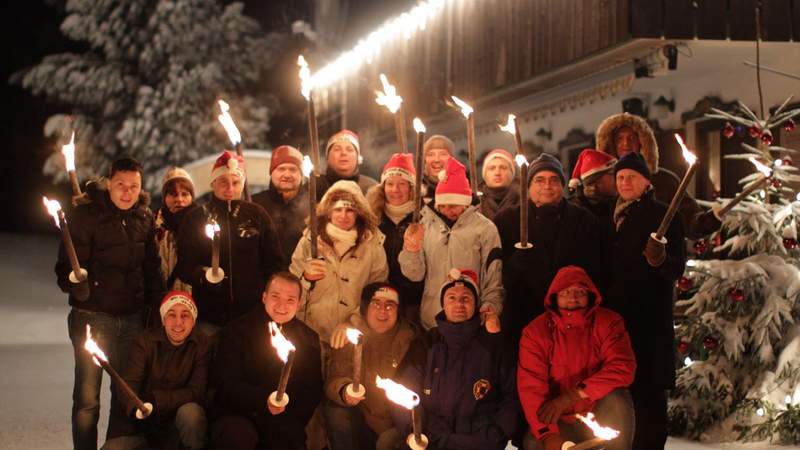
x=647, y=140
x=348, y=190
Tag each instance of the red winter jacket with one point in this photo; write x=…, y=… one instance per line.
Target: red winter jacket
x=588, y=349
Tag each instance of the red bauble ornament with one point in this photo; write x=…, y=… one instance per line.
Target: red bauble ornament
x=728, y=131
x=700, y=246
x=787, y=161
x=684, y=284
x=736, y=295
x=717, y=240
x=776, y=183
x=789, y=125
x=754, y=131
x=766, y=137
x=683, y=347
x=710, y=343
x=789, y=243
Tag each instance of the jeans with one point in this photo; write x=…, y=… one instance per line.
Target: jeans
x=114, y=335
x=615, y=410
x=188, y=431
x=347, y=430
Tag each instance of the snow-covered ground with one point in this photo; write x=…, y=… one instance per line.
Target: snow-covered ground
x=36, y=356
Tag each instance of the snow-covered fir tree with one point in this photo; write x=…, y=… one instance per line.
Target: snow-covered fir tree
x=737, y=337
x=149, y=79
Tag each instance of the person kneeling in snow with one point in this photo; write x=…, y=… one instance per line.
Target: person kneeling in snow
x=575, y=358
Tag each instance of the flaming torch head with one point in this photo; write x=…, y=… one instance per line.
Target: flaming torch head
x=53, y=207
x=227, y=122
x=520, y=160
x=398, y=393
x=211, y=229
x=353, y=335
x=687, y=155
x=466, y=110
x=388, y=97
x=766, y=171
x=419, y=127
x=598, y=430
x=91, y=346
x=305, y=77
x=511, y=126
x=282, y=345
x=68, y=151
x=307, y=166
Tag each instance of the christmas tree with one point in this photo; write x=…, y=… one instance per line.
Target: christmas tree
x=148, y=82
x=738, y=338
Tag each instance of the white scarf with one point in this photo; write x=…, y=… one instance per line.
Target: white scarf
x=397, y=213
x=343, y=240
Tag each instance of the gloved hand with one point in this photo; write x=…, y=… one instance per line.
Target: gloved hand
x=315, y=269
x=489, y=319
x=655, y=252
x=552, y=409
x=553, y=442
x=413, y=237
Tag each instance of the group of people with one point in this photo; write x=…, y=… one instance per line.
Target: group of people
x=499, y=341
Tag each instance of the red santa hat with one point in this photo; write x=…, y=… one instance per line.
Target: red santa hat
x=503, y=154
x=285, y=154
x=460, y=277
x=344, y=136
x=178, y=297
x=401, y=164
x=228, y=163
x=453, y=187
x=591, y=164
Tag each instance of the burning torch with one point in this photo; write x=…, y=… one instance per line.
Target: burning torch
x=419, y=127
x=393, y=102
x=676, y=199
x=356, y=389
x=754, y=186
x=511, y=128
x=214, y=274
x=233, y=134
x=408, y=399
x=79, y=277
x=68, y=150
x=601, y=433
x=469, y=115
x=285, y=349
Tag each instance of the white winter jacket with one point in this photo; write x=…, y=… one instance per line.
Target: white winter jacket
x=472, y=243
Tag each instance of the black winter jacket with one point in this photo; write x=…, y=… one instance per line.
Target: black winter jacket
x=287, y=217
x=118, y=249
x=249, y=254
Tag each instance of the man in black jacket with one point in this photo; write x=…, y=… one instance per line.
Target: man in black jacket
x=247, y=371
x=168, y=370
x=286, y=199
x=643, y=275
x=114, y=236
x=249, y=251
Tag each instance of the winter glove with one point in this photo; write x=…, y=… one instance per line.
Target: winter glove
x=412, y=238
x=655, y=251
x=489, y=319
x=552, y=409
x=315, y=270
x=553, y=442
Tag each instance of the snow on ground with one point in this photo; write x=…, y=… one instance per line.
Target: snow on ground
x=36, y=356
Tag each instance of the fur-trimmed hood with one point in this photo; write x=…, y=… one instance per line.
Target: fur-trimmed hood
x=376, y=198
x=348, y=190
x=647, y=140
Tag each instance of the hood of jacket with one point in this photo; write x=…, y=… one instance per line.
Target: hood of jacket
x=647, y=140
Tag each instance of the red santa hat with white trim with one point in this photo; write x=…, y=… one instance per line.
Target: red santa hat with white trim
x=453, y=187
x=401, y=164
x=228, y=163
x=177, y=298
x=591, y=164
x=460, y=277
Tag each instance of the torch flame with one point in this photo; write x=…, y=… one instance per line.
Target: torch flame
x=419, y=127
x=282, y=345
x=305, y=77
x=520, y=160
x=598, y=430
x=227, y=122
x=687, y=155
x=68, y=151
x=511, y=126
x=307, y=166
x=353, y=335
x=398, y=393
x=388, y=97
x=91, y=346
x=53, y=207
x=466, y=110
x=211, y=229
x=761, y=167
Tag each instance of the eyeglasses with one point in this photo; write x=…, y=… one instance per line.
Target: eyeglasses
x=386, y=306
x=577, y=292
x=541, y=181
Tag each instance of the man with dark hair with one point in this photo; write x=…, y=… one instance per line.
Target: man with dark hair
x=114, y=238
x=247, y=371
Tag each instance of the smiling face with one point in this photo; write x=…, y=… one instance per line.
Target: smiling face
x=546, y=188
x=435, y=161
x=573, y=297
x=227, y=187
x=286, y=177
x=178, y=323
x=344, y=218
x=381, y=315
x=458, y=303
x=631, y=184
x=397, y=190
x=626, y=140
x=124, y=188
x=281, y=300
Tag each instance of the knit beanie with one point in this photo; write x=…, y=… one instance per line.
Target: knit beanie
x=500, y=153
x=633, y=161
x=176, y=173
x=439, y=141
x=546, y=161
x=283, y=155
